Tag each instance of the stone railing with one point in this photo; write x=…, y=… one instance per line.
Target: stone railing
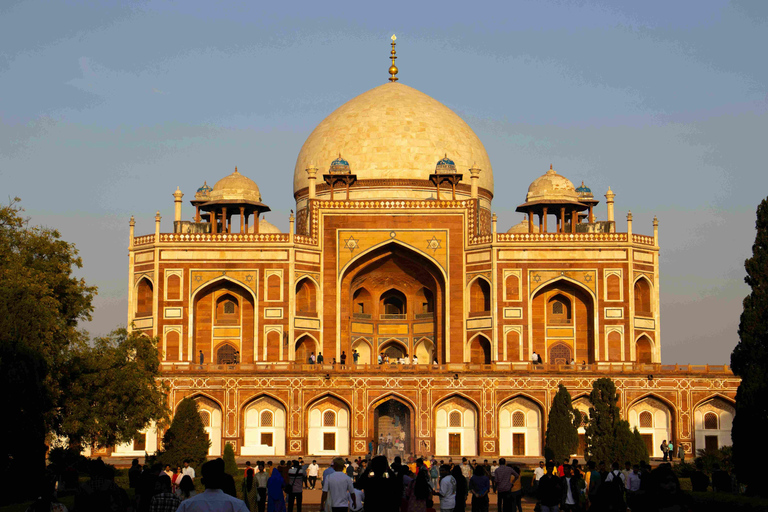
x=562, y=237
x=648, y=371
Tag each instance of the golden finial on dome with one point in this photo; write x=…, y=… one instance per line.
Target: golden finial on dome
x=235, y=169
x=393, y=68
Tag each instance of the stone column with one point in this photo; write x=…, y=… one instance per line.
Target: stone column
x=544, y=216
x=629, y=227
x=609, y=203
x=242, y=219
x=493, y=223
x=224, y=220
x=131, y=231
x=157, y=226
x=177, y=205
x=475, y=179
x=312, y=176
x=562, y=219
x=655, y=231
x=290, y=227
x=530, y=222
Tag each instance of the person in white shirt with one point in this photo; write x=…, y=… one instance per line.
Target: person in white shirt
x=312, y=471
x=447, y=489
x=338, y=489
x=213, y=499
x=537, y=474
x=415, y=359
x=188, y=470
x=633, y=479
x=571, y=490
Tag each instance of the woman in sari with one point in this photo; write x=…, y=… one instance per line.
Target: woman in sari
x=275, y=496
x=250, y=490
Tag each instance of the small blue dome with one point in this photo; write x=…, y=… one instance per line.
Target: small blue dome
x=445, y=165
x=583, y=189
x=205, y=188
x=340, y=166
x=203, y=192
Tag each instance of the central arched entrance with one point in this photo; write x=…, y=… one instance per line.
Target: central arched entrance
x=392, y=428
x=393, y=293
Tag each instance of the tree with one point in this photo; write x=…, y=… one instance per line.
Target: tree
x=609, y=438
x=111, y=382
x=186, y=438
x=56, y=381
x=562, y=437
x=230, y=464
x=41, y=304
x=749, y=361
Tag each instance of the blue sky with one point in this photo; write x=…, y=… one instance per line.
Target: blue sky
x=107, y=107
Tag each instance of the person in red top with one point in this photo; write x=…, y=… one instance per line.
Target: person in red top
x=561, y=469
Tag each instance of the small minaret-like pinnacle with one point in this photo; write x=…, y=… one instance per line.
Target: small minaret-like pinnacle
x=393, y=68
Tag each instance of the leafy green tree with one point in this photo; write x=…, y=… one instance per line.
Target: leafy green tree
x=41, y=304
x=562, y=437
x=112, y=382
x=608, y=437
x=56, y=381
x=186, y=438
x=230, y=464
x=749, y=361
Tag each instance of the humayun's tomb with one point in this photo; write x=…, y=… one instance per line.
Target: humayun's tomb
x=394, y=248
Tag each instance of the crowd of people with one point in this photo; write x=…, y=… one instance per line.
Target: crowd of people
x=421, y=484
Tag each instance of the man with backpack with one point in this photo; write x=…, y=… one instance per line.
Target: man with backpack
x=613, y=490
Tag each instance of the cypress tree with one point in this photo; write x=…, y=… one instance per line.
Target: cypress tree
x=609, y=438
x=186, y=438
x=749, y=361
x=230, y=464
x=562, y=437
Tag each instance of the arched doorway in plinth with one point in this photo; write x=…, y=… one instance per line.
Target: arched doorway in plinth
x=393, y=292
x=393, y=423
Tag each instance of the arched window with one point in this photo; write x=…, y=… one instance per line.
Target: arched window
x=518, y=419
x=613, y=287
x=614, y=346
x=361, y=300
x=273, y=287
x=393, y=302
x=710, y=421
x=425, y=302
x=559, y=310
x=511, y=288
x=267, y=418
x=306, y=303
x=480, y=351
x=454, y=419
x=646, y=419
x=643, y=350
x=643, y=298
x=205, y=417
x=480, y=297
x=227, y=310
x=329, y=419
x=225, y=355
x=144, y=301
x=513, y=346
x=560, y=354
x=173, y=287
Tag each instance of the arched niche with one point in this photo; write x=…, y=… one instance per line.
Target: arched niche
x=393, y=348
x=144, y=298
x=582, y=405
x=563, y=311
x=362, y=304
x=226, y=353
x=305, y=346
x=455, y=428
x=520, y=428
x=393, y=303
x=480, y=350
x=227, y=310
x=479, y=297
x=363, y=347
x=643, y=303
x=264, y=424
x=656, y=424
x=328, y=427
x=644, y=350
x=425, y=351
x=223, y=312
x=560, y=353
x=712, y=422
x=210, y=414
x=306, y=298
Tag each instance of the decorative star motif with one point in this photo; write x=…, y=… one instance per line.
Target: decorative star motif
x=198, y=278
x=351, y=243
x=536, y=278
x=588, y=278
x=223, y=272
x=433, y=244
x=249, y=277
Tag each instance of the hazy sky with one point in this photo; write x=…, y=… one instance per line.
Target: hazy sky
x=105, y=108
